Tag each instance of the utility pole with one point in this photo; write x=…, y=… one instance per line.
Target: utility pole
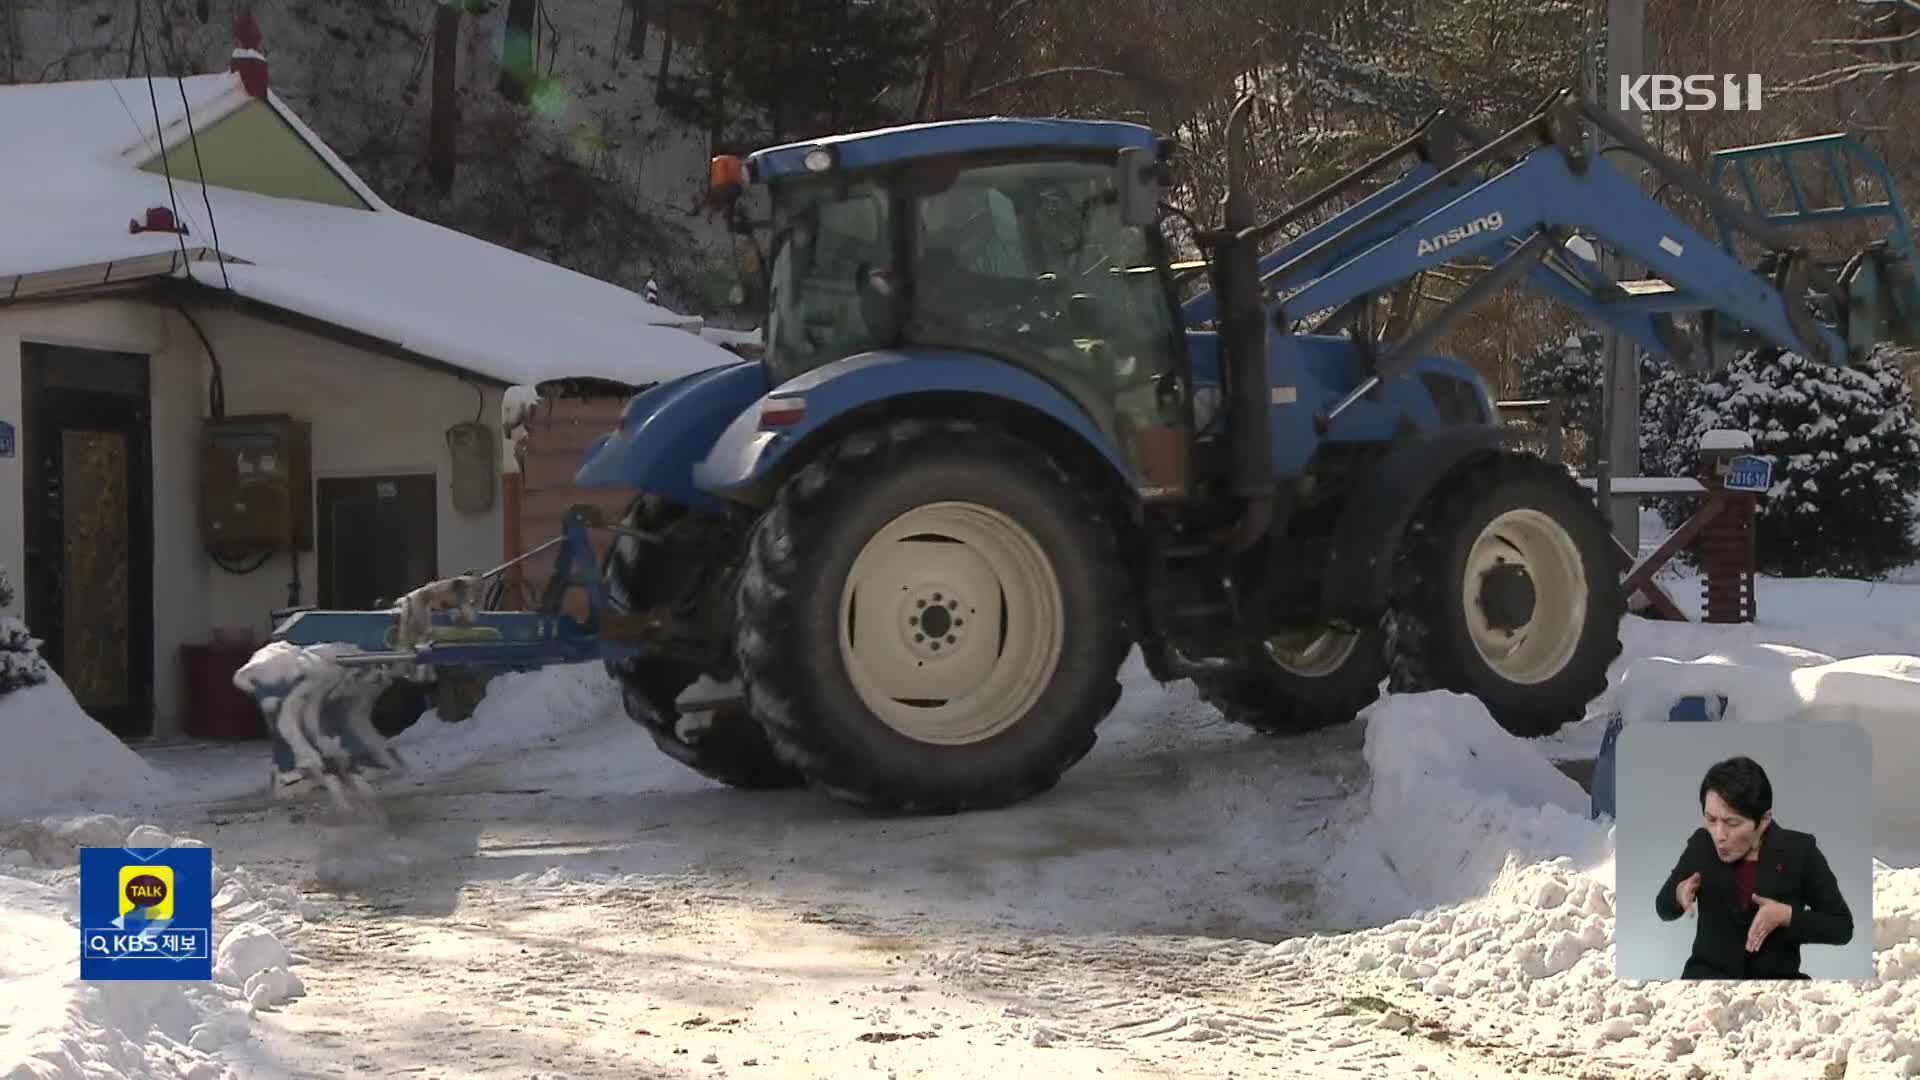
x=1620, y=426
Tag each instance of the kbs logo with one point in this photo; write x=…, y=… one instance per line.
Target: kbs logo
x=1693, y=93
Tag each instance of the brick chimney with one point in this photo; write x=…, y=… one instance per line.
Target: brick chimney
x=248, y=61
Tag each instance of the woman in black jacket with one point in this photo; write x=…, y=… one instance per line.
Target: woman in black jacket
x=1761, y=891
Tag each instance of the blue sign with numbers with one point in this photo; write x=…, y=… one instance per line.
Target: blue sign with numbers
x=6, y=439
x=1749, y=473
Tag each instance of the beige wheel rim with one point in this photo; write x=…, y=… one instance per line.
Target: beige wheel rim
x=951, y=623
x=1522, y=642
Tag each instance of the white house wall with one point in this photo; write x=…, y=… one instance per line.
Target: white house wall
x=371, y=415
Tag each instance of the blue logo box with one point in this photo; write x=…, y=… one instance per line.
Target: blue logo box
x=146, y=916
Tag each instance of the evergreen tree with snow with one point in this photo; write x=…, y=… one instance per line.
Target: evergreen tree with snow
x=1846, y=460
x=20, y=662
x=1569, y=373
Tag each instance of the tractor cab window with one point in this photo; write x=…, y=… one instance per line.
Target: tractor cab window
x=834, y=276
x=1030, y=261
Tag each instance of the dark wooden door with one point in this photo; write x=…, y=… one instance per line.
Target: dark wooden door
x=379, y=538
x=89, y=527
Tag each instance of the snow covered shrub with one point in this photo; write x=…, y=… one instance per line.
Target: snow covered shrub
x=1846, y=460
x=20, y=662
x=1569, y=376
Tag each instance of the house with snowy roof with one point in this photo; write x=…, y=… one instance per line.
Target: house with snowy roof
x=232, y=377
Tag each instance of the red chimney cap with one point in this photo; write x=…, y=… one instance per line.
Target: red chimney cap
x=158, y=219
x=247, y=61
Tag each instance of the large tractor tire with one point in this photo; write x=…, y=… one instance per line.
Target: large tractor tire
x=1304, y=681
x=730, y=747
x=932, y=619
x=1508, y=592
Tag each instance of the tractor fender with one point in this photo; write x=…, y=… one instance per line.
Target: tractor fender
x=667, y=428
x=1387, y=494
x=752, y=458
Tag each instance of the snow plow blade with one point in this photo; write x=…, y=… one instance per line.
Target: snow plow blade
x=318, y=677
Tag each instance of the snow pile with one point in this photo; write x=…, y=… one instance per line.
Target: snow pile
x=52, y=1024
x=251, y=959
x=1454, y=798
x=1460, y=809
x=1532, y=964
x=1771, y=684
x=1832, y=619
x=1779, y=684
x=1540, y=926
x=54, y=756
x=520, y=710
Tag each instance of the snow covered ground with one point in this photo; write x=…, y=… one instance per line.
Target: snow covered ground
x=1414, y=894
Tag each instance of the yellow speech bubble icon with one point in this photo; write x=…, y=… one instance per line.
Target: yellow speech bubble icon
x=147, y=889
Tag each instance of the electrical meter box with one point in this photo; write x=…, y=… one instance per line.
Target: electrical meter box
x=256, y=476
x=476, y=466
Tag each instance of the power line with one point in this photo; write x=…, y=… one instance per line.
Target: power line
x=166, y=166
x=200, y=167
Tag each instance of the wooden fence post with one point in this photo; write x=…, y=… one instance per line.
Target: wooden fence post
x=1726, y=542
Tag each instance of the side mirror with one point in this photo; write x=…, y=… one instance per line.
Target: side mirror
x=1137, y=179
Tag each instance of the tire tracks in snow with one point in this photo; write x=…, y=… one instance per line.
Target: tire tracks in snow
x=591, y=932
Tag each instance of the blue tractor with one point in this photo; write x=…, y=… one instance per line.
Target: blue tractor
x=992, y=447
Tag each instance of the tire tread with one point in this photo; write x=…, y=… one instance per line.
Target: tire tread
x=778, y=561
x=1419, y=660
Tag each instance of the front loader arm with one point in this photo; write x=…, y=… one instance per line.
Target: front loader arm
x=1527, y=213
x=1204, y=307
x=1544, y=193
x=1432, y=147
x=1566, y=276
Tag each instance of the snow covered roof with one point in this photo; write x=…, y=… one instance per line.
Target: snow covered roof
x=71, y=181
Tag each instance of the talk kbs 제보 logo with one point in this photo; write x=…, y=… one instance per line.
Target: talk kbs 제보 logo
x=146, y=915
x=146, y=893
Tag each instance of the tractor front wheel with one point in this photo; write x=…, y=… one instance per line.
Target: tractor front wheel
x=1305, y=680
x=1509, y=593
x=932, y=619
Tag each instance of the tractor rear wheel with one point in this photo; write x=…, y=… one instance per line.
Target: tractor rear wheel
x=727, y=745
x=1306, y=680
x=932, y=619
x=1509, y=592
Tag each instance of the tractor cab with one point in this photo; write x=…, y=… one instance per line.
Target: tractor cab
x=1033, y=243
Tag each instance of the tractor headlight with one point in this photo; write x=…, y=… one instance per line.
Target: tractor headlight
x=818, y=159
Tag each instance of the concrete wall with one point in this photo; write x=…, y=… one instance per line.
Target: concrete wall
x=370, y=414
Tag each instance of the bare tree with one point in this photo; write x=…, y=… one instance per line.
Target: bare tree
x=442, y=128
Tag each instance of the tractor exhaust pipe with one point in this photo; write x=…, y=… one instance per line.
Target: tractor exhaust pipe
x=1243, y=339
